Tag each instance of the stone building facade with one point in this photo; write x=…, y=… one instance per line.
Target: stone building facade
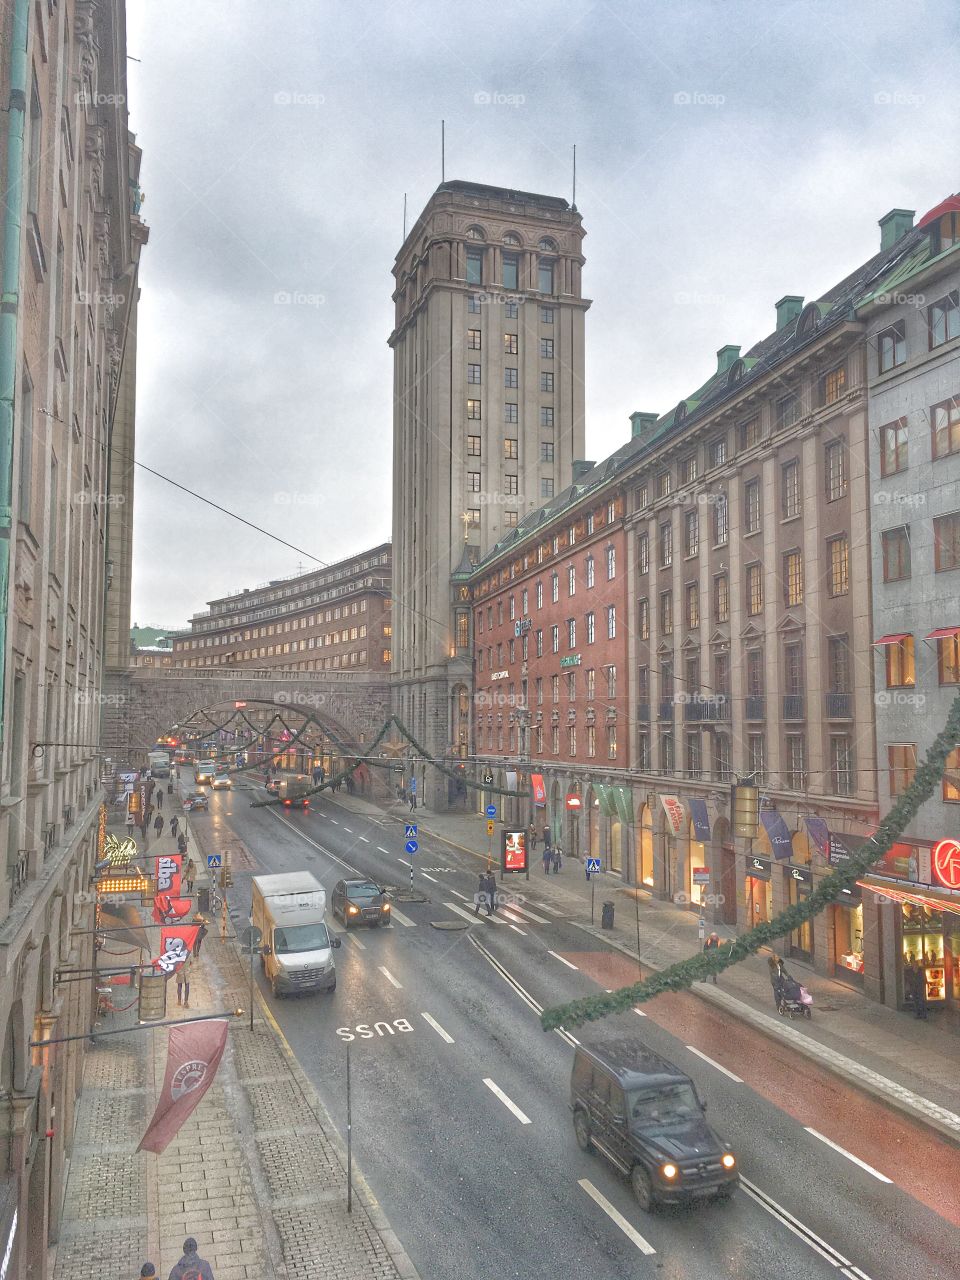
x=71, y=214
x=488, y=348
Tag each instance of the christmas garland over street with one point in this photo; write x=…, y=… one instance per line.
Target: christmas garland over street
x=680, y=976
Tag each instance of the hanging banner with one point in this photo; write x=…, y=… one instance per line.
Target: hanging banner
x=176, y=943
x=168, y=874
x=193, y=1056
x=168, y=910
x=698, y=815
x=539, y=790
x=776, y=829
x=673, y=808
x=819, y=833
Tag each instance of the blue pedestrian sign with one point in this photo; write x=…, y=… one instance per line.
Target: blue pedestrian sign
x=491, y=811
x=593, y=864
x=411, y=846
x=214, y=860
x=409, y=831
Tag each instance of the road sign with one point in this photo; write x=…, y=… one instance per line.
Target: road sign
x=491, y=810
x=409, y=831
x=490, y=826
x=214, y=860
x=250, y=939
x=701, y=875
x=411, y=846
x=593, y=864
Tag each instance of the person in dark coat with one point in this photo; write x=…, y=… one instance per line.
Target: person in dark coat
x=158, y=825
x=159, y=800
x=919, y=989
x=482, y=896
x=711, y=947
x=181, y=844
x=547, y=859
x=775, y=965
x=532, y=837
x=191, y=1266
x=557, y=859
x=174, y=824
x=491, y=880
x=201, y=934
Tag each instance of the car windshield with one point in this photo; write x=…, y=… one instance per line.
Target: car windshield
x=300, y=937
x=363, y=891
x=667, y=1105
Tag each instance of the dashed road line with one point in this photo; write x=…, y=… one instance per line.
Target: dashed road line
x=614, y=1214
x=381, y=849
x=389, y=977
x=528, y=914
x=516, y=929
x=524, y=995
x=457, y=894
x=882, y=1177
x=728, y=1074
x=364, y=839
x=561, y=959
x=432, y=879
x=437, y=1028
x=507, y=1102
x=402, y=919
x=348, y=831
x=404, y=861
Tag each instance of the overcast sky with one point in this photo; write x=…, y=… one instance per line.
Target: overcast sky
x=728, y=153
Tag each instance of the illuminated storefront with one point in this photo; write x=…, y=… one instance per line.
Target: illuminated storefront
x=645, y=848
x=759, y=890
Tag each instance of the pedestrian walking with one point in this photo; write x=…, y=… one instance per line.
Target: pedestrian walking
x=159, y=799
x=775, y=965
x=201, y=934
x=189, y=875
x=413, y=801
x=919, y=983
x=481, y=898
x=492, y=892
x=710, y=947
x=181, y=844
x=547, y=859
x=174, y=825
x=546, y=835
x=191, y=1266
x=532, y=836
x=158, y=825
x=183, y=982
x=557, y=859
x=148, y=1271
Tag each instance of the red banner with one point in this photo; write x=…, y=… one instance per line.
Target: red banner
x=539, y=790
x=167, y=910
x=168, y=874
x=193, y=1056
x=176, y=943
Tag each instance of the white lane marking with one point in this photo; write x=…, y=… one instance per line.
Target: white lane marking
x=364, y=839
x=516, y=929
x=856, y=1159
x=511, y=1106
x=639, y=1012
x=389, y=977
x=404, y=861
x=432, y=879
x=381, y=849
x=402, y=919
x=460, y=912
x=437, y=1028
x=356, y=942
x=530, y=915
x=632, y=1234
x=348, y=831
x=728, y=1074
x=509, y=913
x=335, y=822
x=326, y=852
x=524, y=995
x=457, y=894
x=561, y=959
x=799, y=1229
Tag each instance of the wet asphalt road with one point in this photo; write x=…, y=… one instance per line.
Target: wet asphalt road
x=461, y=1121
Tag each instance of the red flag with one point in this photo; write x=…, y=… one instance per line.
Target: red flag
x=166, y=910
x=176, y=943
x=194, y=1051
x=168, y=874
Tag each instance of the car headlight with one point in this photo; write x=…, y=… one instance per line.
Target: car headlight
x=669, y=1171
x=353, y=910
x=386, y=906
x=728, y=1160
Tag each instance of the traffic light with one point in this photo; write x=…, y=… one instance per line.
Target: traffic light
x=226, y=878
x=745, y=810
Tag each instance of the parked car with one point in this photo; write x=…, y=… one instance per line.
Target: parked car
x=644, y=1115
x=359, y=902
x=195, y=800
x=222, y=782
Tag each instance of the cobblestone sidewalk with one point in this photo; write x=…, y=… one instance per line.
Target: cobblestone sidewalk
x=257, y=1175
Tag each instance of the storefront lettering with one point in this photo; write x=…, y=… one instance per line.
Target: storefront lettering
x=946, y=863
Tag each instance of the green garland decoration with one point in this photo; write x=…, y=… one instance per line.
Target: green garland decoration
x=680, y=976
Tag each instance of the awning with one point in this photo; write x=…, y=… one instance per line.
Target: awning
x=892, y=639
x=919, y=895
x=776, y=829
x=624, y=804
x=943, y=633
x=950, y=205
x=539, y=790
x=698, y=815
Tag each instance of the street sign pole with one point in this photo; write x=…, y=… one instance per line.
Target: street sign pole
x=349, y=1141
x=593, y=890
x=251, y=988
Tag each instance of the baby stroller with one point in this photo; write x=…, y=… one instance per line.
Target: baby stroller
x=792, y=997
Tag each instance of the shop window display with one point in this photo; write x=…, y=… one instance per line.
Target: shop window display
x=923, y=941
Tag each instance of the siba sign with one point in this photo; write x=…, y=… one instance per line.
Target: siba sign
x=945, y=863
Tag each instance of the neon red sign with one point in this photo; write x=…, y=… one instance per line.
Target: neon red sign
x=573, y=800
x=946, y=863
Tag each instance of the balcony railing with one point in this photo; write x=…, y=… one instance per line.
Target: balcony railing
x=839, y=706
x=666, y=709
x=755, y=707
x=643, y=712
x=793, y=706
x=700, y=710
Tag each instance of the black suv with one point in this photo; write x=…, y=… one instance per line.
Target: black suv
x=360, y=902
x=644, y=1115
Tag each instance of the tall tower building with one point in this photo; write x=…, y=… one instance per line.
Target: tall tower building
x=487, y=423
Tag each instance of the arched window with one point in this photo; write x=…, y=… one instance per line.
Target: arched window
x=476, y=233
x=548, y=245
x=513, y=239
x=809, y=320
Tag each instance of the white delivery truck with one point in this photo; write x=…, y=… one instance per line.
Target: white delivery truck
x=158, y=762
x=205, y=772
x=296, y=949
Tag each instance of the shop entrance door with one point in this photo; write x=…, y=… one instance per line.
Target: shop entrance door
x=759, y=901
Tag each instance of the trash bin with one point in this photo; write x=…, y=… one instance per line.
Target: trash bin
x=606, y=918
x=203, y=901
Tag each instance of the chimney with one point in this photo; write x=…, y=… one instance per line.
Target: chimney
x=580, y=469
x=642, y=423
x=893, y=225
x=788, y=308
x=727, y=356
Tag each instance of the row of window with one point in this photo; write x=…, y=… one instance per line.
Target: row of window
x=509, y=271
x=589, y=571
x=840, y=777
x=588, y=635
x=902, y=768
x=511, y=344
x=511, y=449
x=284, y=628
x=754, y=665
x=943, y=325
x=511, y=413
x=897, y=558
x=511, y=377
x=511, y=308
x=900, y=662
x=512, y=745
x=339, y=660
x=944, y=437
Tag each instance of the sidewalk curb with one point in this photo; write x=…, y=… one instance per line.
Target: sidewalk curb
x=917, y=1108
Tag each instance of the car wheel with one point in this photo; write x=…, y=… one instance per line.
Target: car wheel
x=725, y=1192
x=642, y=1187
x=273, y=989
x=581, y=1127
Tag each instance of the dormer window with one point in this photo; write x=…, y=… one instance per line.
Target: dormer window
x=680, y=413
x=736, y=372
x=809, y=320
x=945, y=232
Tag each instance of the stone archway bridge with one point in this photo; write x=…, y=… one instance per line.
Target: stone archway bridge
x=141, y=704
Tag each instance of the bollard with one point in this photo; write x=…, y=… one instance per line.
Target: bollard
x=606, y=916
